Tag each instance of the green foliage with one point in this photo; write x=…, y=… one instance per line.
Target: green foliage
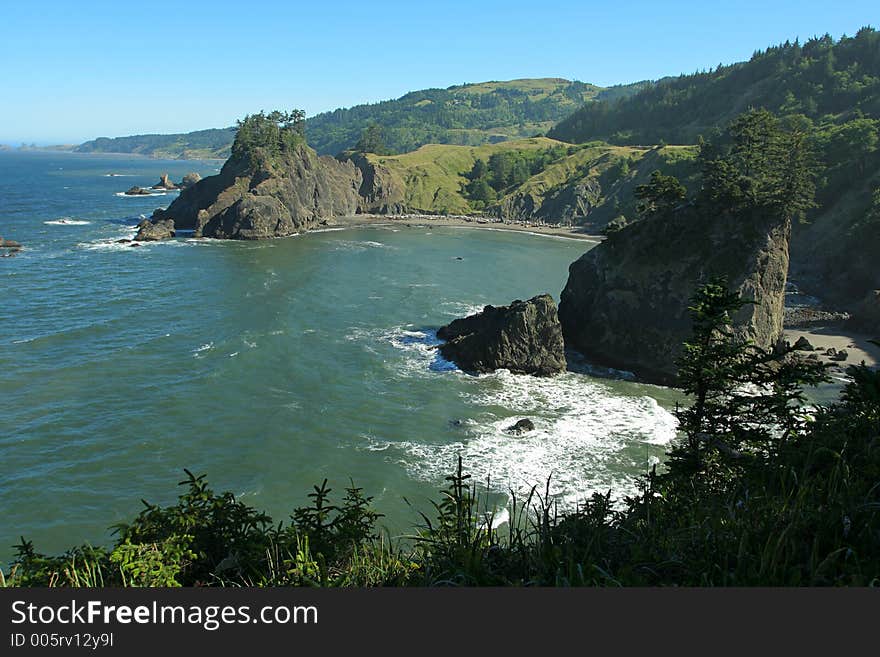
x=213, y=143
x=223, y=535
x=618, y=223
x=472, y=114
x=507, y=169
x=268, y=135
x=153, y=564
x=467, y=115
x=756, y=164
x=660, y=196
x=372, y=141
x=820, y=79
x=747, y=401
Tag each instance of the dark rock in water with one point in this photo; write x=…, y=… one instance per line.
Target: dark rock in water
x=9, y=244
x=626, y=301
x=123, y=241
x=134, y=244
x=524, y=337
x=263, y=196
x=164, y=183
x=189, y=180
x=522, y=426
x=803, y=344
x=150, y=231
x=137, y=191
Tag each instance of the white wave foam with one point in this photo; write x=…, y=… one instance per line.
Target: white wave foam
x=200, y=350
x=460, y=308
x=67, y=221
x=421, y=347
x=583, y=438
x=359, y=246
x=165, y=193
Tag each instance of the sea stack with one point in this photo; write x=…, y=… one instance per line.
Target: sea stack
x=524, y=337
x=164, y=183
x=626, y=301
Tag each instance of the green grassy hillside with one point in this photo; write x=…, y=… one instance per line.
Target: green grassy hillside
x=435, y=178
x=470, y=114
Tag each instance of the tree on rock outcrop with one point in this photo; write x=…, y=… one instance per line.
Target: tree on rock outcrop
x=756, y=164
x=660, y=196
x=272, y=134
x=372, y=141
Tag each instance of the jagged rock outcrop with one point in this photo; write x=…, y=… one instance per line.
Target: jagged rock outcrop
x=149, y=231
x=626, y=301
x=565, y=204
x=189, y=180
x=524, y=337
x=380, y=191
x=137, y=191
x=261, y=197
x=164, y=183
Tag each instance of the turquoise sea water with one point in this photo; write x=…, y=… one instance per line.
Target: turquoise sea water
x=270, y=365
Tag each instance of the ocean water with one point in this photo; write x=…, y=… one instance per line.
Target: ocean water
x=271, y=365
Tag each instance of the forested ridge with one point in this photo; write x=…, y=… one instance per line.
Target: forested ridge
x=469, y=114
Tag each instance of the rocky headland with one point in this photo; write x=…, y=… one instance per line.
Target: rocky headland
x=264, y=197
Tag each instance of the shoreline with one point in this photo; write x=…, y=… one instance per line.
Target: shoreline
x=434, y=221
x=823, y=338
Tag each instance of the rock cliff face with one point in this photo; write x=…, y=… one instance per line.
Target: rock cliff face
x=626, y=301
x=380, y=191
x=867, y=314
x=567, y=204
x=267, y=197
x=524, y=337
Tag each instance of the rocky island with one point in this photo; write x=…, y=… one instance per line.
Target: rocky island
x=524, y=337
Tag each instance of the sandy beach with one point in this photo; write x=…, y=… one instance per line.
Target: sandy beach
x=423, y=220
x=856, y=345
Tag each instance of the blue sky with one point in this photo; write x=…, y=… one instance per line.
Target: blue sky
x=71, y=71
